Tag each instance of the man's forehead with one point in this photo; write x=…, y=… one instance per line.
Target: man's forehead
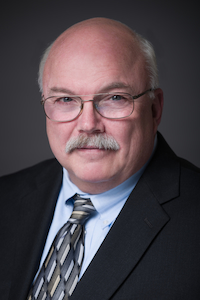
x=82, y=50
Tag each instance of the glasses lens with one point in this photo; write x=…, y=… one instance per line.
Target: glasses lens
x=63, y=108
x=114, y=106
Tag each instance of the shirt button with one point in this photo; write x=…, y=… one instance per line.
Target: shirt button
x=105, y=222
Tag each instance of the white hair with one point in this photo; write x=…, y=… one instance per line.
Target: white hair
x=41, y=66
x=151, y=65
x=146, y=49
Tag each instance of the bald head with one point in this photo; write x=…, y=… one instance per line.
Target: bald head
x=99, y=26
x=97, y=31
x=96, y=38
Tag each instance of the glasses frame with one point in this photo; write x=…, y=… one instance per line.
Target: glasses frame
x=83, y=101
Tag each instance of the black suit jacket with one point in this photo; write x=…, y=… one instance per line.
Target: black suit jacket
x=151, y=252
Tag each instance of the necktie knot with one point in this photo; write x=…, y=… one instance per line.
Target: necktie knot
x=83, y=209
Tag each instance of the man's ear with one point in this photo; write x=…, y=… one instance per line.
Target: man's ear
x=157, y=107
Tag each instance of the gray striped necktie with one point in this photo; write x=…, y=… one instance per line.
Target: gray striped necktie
x=59, y=273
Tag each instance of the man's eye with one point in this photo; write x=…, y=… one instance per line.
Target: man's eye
x=65, y=99
x=117, y=97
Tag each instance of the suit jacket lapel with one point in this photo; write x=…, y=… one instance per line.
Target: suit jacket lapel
x=36, y=207
x=139, y=222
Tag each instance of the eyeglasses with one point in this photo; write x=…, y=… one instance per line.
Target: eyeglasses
x=109, y=105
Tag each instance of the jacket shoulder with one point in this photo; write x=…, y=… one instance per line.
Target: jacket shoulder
x=22, y=181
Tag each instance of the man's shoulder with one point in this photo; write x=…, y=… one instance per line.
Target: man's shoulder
x=166, y=154
x=168, y=175
x=189, y=179
x=27, y=178
x=43, y=166
x=187, y=165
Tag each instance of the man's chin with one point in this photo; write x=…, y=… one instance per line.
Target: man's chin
x=92, y=178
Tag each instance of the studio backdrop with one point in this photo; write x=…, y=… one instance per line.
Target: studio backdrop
x=28, y=27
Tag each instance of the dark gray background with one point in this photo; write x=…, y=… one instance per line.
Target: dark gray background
x=28, y=27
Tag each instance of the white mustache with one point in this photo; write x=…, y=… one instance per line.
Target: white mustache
x=100, y=141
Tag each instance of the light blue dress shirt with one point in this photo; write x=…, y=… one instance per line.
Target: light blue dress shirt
x=108, y=206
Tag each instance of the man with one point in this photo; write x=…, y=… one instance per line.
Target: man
x=103, y=106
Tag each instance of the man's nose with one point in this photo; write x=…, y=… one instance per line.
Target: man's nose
x=89, y=121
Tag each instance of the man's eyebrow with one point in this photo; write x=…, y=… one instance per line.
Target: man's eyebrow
x=60, y=90
x=114, y=85
x=106, y=88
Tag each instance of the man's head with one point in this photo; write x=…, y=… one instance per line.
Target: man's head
x=93, y=57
